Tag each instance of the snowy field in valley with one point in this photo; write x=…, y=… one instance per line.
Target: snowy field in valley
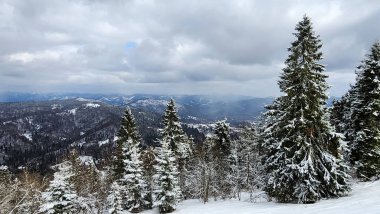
x=364, y=199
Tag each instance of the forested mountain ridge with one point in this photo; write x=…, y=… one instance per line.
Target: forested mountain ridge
x=38, y=133
x=190, y=107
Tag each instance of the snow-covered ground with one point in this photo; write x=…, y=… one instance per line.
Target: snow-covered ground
x=364, y=199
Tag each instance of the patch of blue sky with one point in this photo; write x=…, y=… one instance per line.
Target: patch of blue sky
x=129, y=46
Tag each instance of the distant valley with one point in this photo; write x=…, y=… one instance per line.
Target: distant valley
x=37, y=130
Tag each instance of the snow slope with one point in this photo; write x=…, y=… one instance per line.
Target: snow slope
x=364, y=199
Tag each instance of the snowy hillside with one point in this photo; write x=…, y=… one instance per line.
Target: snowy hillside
x=364, y=199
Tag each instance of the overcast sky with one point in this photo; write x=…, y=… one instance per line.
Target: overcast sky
x=174, y=47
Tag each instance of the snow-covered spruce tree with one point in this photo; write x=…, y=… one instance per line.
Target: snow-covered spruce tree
x=342, y=113
x=148, y=158
x=180, y=144
x=337, y=114
x=269, y=142
x=221, y=157
x=127, y=131
x=117, y=198
x=192, y=173
x=299, y=139
x=365, y=115
x=61, y=197
x=341, y=117
x=134, y=180
x=167, y=190
x=128, y=189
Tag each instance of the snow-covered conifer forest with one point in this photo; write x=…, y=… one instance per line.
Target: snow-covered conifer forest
x=301, y=156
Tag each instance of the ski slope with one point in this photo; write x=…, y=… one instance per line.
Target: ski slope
x=363, y=199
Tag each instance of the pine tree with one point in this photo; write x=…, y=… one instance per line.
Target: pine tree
x=180, y=144
x=127, y=131
x=341, y=117
x=167, y=190
x=134, y=180
x=61, y=197
x=365, y=115
x=222, y=159
x=129, y=186
x=299, y=139
x=117, y=198
x=148, y=159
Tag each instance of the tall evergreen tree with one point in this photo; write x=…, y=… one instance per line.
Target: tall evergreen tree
x=299, y=138
x=365, y=115
x=129, y=184
x=167, y=189
x=179, y=143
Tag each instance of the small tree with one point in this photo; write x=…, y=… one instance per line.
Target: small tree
x=200, y=171
x=249, y=163
x=61, y=197
x=134, y=180
x=148, y=158
x=221, y=156
x=167, y=192
x=86, y=180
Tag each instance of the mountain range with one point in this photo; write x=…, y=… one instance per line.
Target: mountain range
x=36, y=130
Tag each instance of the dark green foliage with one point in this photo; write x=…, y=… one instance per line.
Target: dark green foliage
x=148, y=159
x=173, y=131
x=127, y=131
x=179, y=143
x=365, y=145
x=129, y=186
x=298, y=136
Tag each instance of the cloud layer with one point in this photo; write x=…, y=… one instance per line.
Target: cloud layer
x=175, y=47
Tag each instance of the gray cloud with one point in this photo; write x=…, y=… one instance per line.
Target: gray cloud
x=187, y=47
